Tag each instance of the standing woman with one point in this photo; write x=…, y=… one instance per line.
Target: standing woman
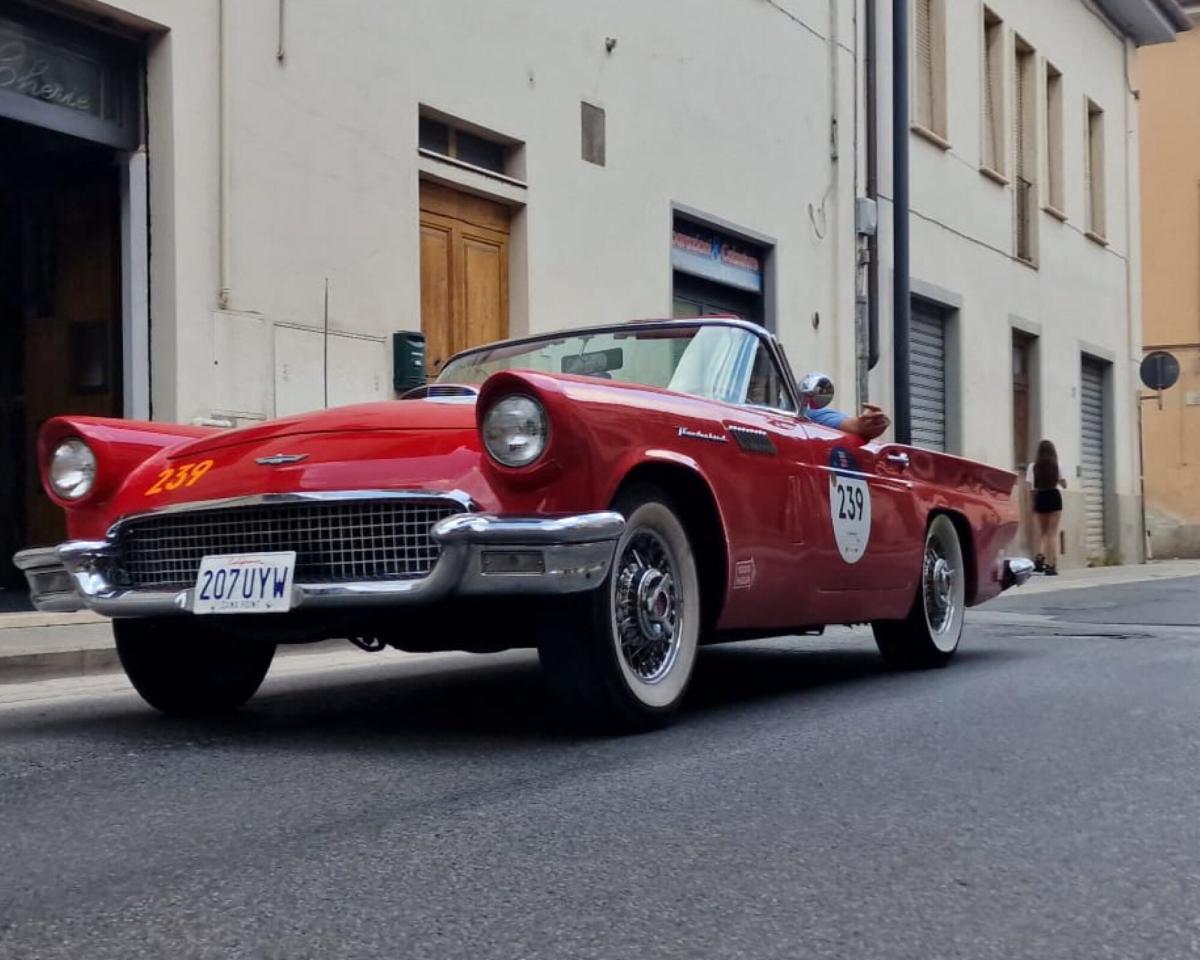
x=1045, y=478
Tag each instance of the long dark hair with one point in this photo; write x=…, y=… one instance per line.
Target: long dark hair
x=1045, y=467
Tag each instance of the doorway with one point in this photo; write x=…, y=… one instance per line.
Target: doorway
x=464, y=272
x=60, y=315
x=1026, y=424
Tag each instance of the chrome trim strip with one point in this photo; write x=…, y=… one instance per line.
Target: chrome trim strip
x=873, y=477
x=489, y=529
x=318, y=496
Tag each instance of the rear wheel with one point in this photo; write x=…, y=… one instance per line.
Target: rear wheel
x=183, y=669
x=929, y=635
x=622, y=656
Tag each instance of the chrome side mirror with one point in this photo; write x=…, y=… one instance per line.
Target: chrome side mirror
x=816, y=392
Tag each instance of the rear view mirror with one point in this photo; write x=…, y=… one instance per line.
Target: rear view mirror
x=594, y=364
x=816, y=392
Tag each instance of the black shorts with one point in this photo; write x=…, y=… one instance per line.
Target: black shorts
x=1047, y=501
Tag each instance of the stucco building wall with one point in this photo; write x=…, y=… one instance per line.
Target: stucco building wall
x=284, y=165
x=1169, y=78
x=1082, y=297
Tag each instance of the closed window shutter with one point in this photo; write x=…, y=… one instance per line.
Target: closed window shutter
x=1094, y=170
x=927, y=366
x=1019, y=120
x=1093, y=460
x=991, y=148
x=923, y=67
x=1087, y=177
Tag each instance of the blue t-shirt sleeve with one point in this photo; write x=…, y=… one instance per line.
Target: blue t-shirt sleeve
x=828, y=417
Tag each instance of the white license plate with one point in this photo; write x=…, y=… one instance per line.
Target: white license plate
x=245, y=583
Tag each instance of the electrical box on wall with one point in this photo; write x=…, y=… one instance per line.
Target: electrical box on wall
x=408, y=360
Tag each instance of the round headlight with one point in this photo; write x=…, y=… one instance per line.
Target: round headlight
x=72, y=469
x=515, y=430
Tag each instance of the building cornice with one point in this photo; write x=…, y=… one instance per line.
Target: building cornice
x=1150, y=21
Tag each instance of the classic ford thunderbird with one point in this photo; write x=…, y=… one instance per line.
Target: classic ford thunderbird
x=613, y=497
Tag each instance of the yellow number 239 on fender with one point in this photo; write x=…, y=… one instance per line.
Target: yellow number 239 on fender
x=185, y=475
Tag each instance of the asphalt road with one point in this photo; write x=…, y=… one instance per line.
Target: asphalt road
x=1037, y=799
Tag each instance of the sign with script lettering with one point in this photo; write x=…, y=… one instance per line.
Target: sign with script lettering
x=58, y=74
x=715, y=256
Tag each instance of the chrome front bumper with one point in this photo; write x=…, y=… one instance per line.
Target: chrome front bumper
x=481, y=554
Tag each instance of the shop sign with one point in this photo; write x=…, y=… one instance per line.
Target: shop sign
x=717, y=257
x=54, y=76
x=61, y=75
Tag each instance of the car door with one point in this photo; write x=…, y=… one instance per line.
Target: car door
x=757, y=471
x=866, y=530
x=760, y=481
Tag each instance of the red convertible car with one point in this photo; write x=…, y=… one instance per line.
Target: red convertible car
x=613, y=497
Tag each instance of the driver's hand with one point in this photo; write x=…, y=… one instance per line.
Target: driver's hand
x=872, y=422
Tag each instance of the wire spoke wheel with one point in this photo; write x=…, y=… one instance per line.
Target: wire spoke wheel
x=647, y=617
x=929, y=635
x=938, y=584
x=622, y=656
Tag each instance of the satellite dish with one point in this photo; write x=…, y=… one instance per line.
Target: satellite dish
x=1160, y=370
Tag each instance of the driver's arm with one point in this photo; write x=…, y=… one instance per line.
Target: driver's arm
x=872, y=422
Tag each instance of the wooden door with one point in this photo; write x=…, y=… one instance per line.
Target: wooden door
x=73, y=321
x=464, y=272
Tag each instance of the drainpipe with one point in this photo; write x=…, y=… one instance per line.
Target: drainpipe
x=1131, y=93
x=223, y=254
x=872, y=124
x=902, y=297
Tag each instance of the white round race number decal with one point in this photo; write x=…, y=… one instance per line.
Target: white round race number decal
x=849, y=505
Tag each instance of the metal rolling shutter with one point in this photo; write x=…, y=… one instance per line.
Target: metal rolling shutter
x=928, y=365
x=1092, y=461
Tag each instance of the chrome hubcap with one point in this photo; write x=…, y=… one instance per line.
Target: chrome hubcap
x=940, y=602
x=646, y=607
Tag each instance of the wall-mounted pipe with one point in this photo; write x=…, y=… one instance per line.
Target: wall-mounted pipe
x=223, y=176
x=279, y=50
x=901, y=269
x=871, y=56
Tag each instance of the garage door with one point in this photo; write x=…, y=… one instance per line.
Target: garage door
x=928, y=365
x=1092, y=460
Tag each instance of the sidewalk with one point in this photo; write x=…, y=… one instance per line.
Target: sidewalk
x=44, y=646
x=51, y=646
x=1078, y=578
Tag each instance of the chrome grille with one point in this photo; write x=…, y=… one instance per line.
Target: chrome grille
x=335, y=541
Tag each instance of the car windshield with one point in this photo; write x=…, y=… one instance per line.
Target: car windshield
x=715, y=362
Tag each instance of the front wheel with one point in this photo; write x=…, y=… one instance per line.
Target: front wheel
x=929, y=635
x=622, y=656
x=183, y=669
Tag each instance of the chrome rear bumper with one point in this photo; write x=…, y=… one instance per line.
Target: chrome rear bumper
x=481, y=554
x=1017, y=570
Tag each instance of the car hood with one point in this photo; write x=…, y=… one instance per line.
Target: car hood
x=403, y=416
x=406, y=445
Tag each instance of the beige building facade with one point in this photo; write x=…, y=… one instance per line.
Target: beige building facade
x=1025, y=246
x=1169, y=78
x=232, y=210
